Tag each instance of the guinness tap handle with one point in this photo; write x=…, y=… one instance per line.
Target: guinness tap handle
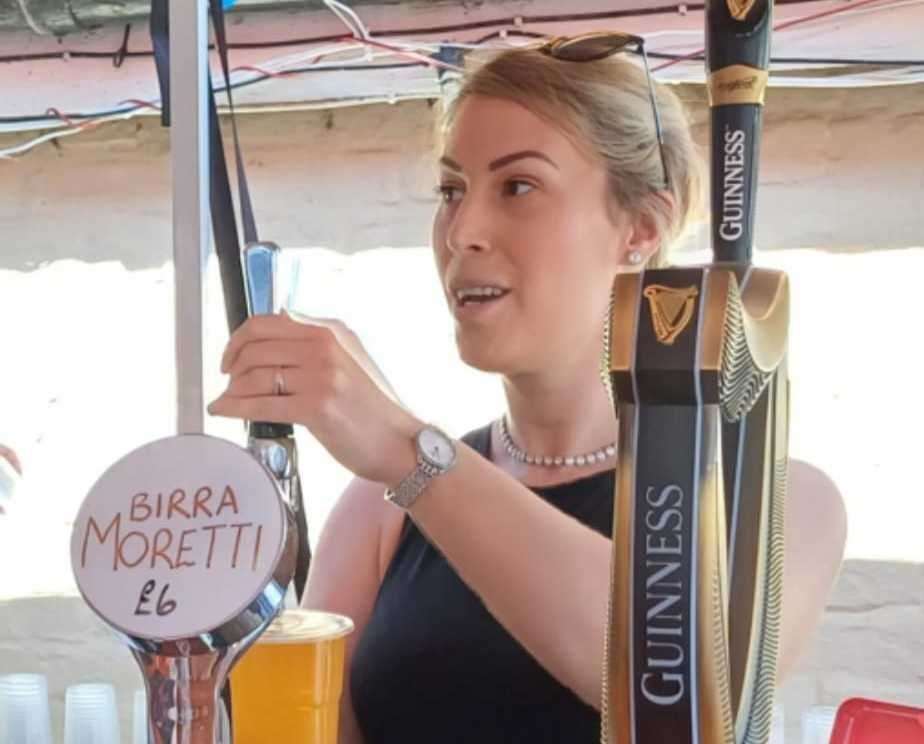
x=738, y=57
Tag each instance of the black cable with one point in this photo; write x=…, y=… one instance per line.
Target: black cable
x=699, y=57
x=483, y=39
x=516, y=21
x=119, y=57
x=807, y=60
x=429, y=30
x=873, y=62
x=426, y=30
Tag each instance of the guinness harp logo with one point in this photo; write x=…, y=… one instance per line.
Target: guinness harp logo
x=671, y=310
x=740, y=8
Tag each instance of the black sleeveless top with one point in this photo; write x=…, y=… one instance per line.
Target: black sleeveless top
x=433, y=666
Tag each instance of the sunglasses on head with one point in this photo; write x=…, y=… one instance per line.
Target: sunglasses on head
x=599, y=45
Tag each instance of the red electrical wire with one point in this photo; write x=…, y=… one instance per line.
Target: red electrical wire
x=138, y=103
x=822, y=14
x=779, y=27
x=259, y=70
x=54, y=113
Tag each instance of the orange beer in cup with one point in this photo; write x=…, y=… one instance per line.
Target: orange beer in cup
x=286, y=689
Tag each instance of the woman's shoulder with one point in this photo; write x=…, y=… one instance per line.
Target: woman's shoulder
x=364, y=503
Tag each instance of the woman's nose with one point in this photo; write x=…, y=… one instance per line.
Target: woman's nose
x=468, y=230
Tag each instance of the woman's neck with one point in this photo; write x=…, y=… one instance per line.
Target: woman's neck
x=567, y=414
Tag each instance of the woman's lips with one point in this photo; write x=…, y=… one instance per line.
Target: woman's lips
x=480, y=309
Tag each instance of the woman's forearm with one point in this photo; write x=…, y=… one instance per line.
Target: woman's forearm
x=542, y=574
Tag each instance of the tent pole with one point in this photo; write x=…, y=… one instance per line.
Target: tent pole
x=189, y=151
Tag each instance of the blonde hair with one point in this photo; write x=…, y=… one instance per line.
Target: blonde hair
x=605, y=108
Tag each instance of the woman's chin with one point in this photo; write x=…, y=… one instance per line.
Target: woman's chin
x=479, y=357
x=482, y=363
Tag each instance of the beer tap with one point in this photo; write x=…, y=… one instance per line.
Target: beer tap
x=185, y=549
x=697, y=362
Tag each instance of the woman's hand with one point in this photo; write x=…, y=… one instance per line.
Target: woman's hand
x=331, y=386
x=8, y=455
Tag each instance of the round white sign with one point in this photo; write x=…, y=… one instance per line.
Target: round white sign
x=178, y=537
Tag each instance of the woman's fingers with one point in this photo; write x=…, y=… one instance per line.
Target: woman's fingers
x=268, y=328
x=320, y=360
x=350, y=342
x=289, y=333
x=274, y=409
x=260, y=381
x=267, y=354
x=332, y=387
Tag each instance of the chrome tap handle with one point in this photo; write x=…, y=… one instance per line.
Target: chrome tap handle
x=274, y=444
x=260, y=278
x=260, y=265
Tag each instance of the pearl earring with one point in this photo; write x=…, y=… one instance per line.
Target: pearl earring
x=635, y=258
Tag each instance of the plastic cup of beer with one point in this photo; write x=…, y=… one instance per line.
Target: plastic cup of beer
x=286, y=689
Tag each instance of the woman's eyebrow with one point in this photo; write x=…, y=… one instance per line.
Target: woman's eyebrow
x=514, y=156
x=450, y=164
x=500, y=162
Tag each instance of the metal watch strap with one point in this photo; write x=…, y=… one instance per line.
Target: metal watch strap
x=407, y=491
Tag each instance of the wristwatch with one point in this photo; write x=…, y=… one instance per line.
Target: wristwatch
x=436, y=454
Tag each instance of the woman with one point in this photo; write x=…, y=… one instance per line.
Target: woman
x=480, y=607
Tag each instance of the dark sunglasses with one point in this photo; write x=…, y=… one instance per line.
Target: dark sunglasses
x=600, y=45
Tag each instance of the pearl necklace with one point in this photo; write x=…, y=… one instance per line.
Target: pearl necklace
x=579, y=461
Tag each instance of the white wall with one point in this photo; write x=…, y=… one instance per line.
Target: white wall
x=838, y=173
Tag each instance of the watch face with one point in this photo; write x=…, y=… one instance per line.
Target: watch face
x=436, y=448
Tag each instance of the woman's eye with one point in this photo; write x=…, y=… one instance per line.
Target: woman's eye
x=517, y=188
x=448, y=193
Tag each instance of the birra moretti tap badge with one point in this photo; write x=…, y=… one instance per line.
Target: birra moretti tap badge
x=178, y=537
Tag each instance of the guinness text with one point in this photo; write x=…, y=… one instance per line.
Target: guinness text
x=662, y=680
x=732, y=226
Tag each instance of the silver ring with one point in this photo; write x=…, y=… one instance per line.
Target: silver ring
x=279, y=382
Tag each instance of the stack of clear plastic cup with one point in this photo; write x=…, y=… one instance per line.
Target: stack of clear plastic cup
x=817, y=724
x=24, y=714
x=778, y=725
x=90, y=715
x=140, y=718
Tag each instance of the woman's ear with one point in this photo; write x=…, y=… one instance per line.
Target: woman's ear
x=644, y=238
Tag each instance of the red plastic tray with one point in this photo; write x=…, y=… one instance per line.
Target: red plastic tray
x=861, y=721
